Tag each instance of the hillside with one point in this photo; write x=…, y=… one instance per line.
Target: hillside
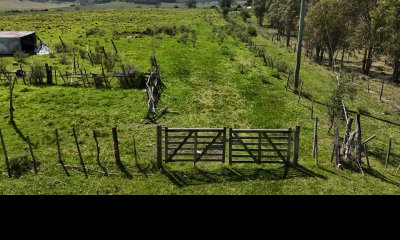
x=211, y=82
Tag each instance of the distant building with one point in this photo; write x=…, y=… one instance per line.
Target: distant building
x=11, y=41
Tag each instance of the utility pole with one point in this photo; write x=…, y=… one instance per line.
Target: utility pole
x=299, y=44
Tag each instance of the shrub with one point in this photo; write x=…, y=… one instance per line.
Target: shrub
x=20, y=165
x=95, y=31
x=134, y=78
x=334, y=103
x=61, y=48
x=20, y=56
x=245, y=15
x=184, y=28
x=110, y=61
x=184, y=38
x=82, y=53
x=63, y=59
x=252, y=31
x=194, y=38
x=36, y=74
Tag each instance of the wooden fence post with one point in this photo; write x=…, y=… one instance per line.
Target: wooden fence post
x=33, y=156
x=3, y=145
x=49, y=74
x=55, y=76
x=388, y=153
x=230, y=146
x=312, y=108
x=315, y=142
x=116, y=147
x=59, y=155
x=115, y=48
x=159, y=147
x=79, y=153
x=98, y=154
x=296, y=145
x=366, y=155
x=336, y=148
x=358, y=140
x=383, y=83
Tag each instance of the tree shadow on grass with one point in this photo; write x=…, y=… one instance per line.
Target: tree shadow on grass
x=198, y=176
x=333, y=173
x=380, y=155
x=125, y=171
x=18, y=131
x=380, y=176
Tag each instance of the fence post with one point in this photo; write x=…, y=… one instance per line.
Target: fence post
x=59, y=154
x=79, y=152
x=159, y=146
x=116, y=148
x=315, y=142
x=388, y=152
x=32, y=155
x=49, y=76
x=3, y=145
x=296, y=145
x=230, y=145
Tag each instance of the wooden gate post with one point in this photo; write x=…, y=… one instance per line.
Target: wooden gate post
x=296, y=145
x=159, y=146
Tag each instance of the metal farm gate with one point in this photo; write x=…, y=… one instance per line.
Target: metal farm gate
x=209, y=145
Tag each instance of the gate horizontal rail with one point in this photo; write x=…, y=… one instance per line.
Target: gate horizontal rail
x=244, y=145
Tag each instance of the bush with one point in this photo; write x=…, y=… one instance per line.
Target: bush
x=111, y=60
x=36, y=74
x=61, y=49
x=252, y=31
x=245, y=15
x=184, y=28
x=20, y=165
x=20, y=56
x=63, y=59
x=95, y=31
x=134, y=78
x=184, y=38
x=334, y=103
x=82, y=53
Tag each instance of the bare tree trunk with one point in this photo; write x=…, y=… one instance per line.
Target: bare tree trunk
x=369, y=61
x=396, y=71
x=331, y=54
x=342, y=60
x=364, y=62
x=287, y=37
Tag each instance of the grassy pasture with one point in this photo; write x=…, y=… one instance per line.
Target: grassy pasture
x=207, y=86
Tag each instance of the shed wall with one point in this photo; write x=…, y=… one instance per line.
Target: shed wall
x=9, y=45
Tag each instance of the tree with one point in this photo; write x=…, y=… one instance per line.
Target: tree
x=284, y=15
x=191, y=3
x=259, y=10
x=328, y=24
x=390, y=10
x=225, y=3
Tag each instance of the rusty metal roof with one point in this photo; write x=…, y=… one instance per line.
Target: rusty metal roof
x=14, y=34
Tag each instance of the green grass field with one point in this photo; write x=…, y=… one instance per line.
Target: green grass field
x=207, y=86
